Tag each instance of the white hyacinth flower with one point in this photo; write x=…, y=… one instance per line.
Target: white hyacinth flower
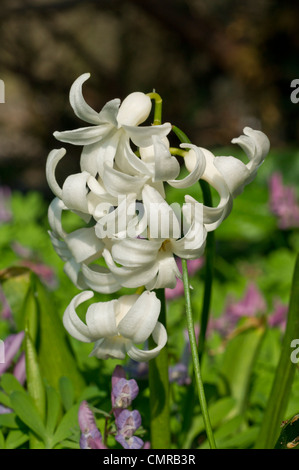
x=117, y=326
x=150, y=261
x=228, y=175
x=107, y=140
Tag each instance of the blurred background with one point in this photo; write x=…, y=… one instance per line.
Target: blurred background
x=219, y=66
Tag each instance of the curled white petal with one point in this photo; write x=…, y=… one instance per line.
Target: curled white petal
x=100, y=279
x=53, y=158
x=78, y=103
x=160, y=337
x=198, y=166
x=72, y=322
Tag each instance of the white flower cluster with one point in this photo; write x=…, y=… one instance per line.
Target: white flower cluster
x=120, y=196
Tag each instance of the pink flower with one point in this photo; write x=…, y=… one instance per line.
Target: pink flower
x=283, y=203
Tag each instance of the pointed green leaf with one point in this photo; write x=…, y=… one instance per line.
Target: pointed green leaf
x=218, y=412
x=2, y=441
x=67, y=392
x=238, y=362
x=15, y=439
x=35, y=383
x=53, y=409
x=4, y=399
x=8, y=420
x=66, y=426
x=284, y=374
x=10, y=384
x=25, y=409
x=54, y=353
x=15, y=284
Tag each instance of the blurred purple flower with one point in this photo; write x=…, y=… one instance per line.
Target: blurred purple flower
x=139, y=370
x=127, y=423
x=11, y=347
x=179, y=373
x=5, y=198
x=6, y=310
x=19, y=370
x=44, y=272
x=193, y=266
x=283, y=203
x=250, y=305
x=91, y=437
x=4, y=410
x=279, y=316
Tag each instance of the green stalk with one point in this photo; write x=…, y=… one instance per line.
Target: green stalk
x=284, y=375
x=159, y=389
x=209, y=258
x=196, y=363
x=158, y=107
x=209, y=271
x=158, y=367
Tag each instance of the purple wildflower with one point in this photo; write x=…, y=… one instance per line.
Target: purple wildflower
x=19, y=370
x=279, y=316
x=4, y=410
x=250, y=305
x=11, y=347
x=6, y=310
x=127, y=423
x=91, y=437
x=124, y=392
x=179, y=373
x=5, y=198
x=283, y=203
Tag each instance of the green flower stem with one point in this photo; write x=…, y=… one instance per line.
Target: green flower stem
x=209, y=258
x=158, y=107
x=196, y=363
x=284, y=375
x=159, y=389
x=209, y=271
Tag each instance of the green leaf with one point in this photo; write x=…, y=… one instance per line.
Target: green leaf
x=54, y=354
x=226, y=430
x=35, y=383
x=2, y=441
x=238, y=362
x=218, y=412
x=53, y=409
x=15, y=284
x=67, y=392
x=15, y=439
x=5, y=400
x=9, y=383
x=242, y=440
x=284, y=375
x=66, y=425
x=25, y=409
x=8, y=420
